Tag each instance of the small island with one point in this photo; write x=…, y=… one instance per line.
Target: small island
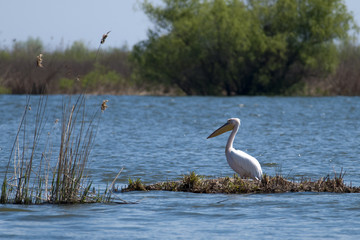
x=236, y=185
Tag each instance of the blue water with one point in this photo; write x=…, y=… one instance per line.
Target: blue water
x=162, y=138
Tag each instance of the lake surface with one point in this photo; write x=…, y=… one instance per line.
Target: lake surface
x=162, y=138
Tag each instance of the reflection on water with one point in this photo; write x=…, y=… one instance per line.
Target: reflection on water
x=161, y=138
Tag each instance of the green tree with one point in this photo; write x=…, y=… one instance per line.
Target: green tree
x=79, y=52
x=215, y=47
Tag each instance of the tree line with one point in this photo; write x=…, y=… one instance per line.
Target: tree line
x=206, y=47
x=69, y=70
x=236, y=47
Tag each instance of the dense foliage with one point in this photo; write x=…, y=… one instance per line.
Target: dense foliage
x=68, y=70
x=235, y=47
x=205, y=47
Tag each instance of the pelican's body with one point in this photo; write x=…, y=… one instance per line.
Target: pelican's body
x=242, y=163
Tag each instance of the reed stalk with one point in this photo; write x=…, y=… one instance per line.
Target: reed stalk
x=58, y=175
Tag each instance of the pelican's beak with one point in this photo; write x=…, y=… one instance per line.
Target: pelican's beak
x=224, y=128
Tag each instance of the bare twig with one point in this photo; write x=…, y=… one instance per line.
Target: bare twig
x=112, y=184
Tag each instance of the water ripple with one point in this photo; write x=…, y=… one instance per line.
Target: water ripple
x=162, y=138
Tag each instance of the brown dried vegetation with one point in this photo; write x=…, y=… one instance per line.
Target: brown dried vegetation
x=105, y=35
x=277, y=184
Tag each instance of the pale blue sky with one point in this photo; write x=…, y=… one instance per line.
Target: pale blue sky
x=60, y=23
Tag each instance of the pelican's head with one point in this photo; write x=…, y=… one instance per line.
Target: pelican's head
x=228, y=126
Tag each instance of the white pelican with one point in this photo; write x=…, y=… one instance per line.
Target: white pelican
x=241, y=162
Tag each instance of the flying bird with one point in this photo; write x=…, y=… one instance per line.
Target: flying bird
x=242, y=163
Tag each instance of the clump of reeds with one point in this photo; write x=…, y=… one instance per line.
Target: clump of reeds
x=277, y=184
x=49, y=174
x=135, y=185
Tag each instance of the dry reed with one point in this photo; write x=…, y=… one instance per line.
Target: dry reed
x=104, y=37
x=39, y=60
x=277, y=184
x=48, y=175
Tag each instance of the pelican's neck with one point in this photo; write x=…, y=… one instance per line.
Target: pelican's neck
x=230, y=141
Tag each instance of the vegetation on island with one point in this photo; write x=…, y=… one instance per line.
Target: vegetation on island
x=212, y=47
x=236, y=185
